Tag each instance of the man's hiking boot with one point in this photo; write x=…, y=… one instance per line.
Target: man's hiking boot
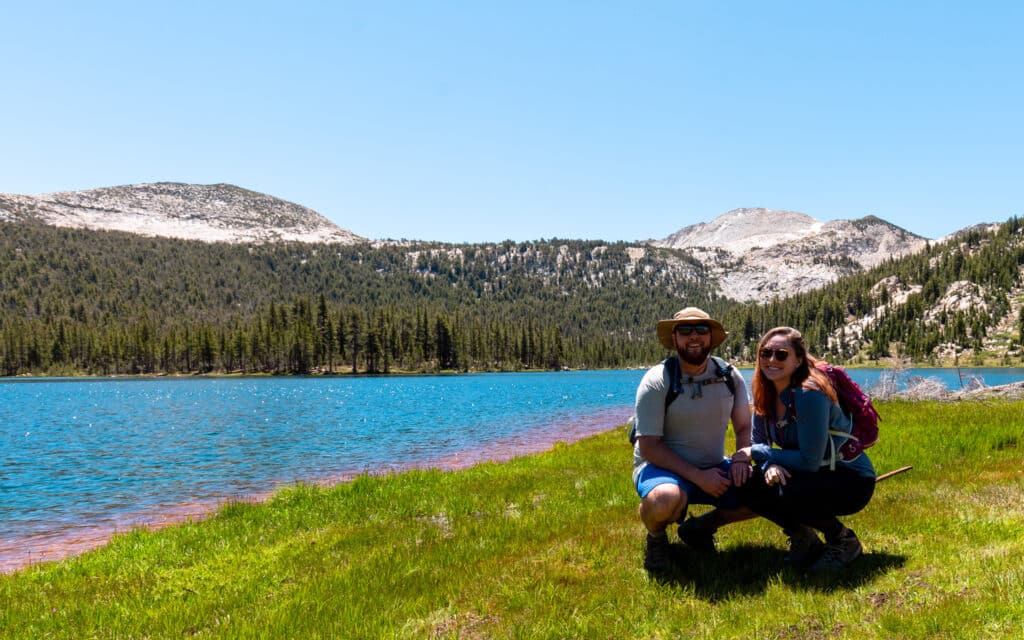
x=696, y=536
x=839, y=554
x=804, y=547
x=656, y=556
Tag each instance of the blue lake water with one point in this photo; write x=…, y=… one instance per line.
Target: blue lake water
x=95, y=452
x=80, y=451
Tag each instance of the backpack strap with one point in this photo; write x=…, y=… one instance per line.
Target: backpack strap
x=723, y=373
x=834, y=450
x=789, y=418
x=724, y=370
x=672, y=366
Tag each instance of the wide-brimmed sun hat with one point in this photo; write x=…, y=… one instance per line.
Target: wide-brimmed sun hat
x=690, y=315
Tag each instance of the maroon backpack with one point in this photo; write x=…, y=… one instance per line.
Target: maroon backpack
x=856, y=404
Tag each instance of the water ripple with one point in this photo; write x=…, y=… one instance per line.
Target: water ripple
x=93, y=452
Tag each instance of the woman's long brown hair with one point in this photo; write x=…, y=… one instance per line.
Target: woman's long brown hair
x=806, y=375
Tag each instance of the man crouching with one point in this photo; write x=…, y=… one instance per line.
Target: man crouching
x=679, y=454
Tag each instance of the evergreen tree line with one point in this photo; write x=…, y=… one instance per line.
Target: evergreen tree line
x=299, y=337
x=109, y=303
x=79, y=301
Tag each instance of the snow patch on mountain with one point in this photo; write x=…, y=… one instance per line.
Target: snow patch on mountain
x=210, y=213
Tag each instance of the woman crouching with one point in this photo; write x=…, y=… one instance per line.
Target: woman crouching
x=798, y=485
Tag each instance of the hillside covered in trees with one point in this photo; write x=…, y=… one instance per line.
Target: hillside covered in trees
x=96, y=302
x=112, y=303
x=962, y=297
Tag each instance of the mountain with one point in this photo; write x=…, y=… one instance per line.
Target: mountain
x=759, y=253
x=958, y=301
x=79, y=300
x=741, y=230
x=211, y=213
x=748, y=254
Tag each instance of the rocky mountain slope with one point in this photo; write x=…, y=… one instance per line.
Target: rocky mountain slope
x=68, y=291
x=211, y=213
x=759, y=253
x=744, y=229
x=746, y=254
x=979, y=315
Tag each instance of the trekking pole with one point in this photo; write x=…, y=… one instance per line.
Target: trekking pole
x=892, y=473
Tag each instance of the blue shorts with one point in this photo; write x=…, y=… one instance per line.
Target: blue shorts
x=651, y=476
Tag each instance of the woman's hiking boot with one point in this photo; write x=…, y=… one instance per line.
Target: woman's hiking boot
x=840, y=553
x=657, y=558
x=699, y=537
x=805, y=548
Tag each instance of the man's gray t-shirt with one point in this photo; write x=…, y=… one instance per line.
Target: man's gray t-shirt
x=695, y=424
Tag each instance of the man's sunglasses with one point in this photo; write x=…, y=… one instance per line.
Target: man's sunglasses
x=687, y=329
x=780, y=354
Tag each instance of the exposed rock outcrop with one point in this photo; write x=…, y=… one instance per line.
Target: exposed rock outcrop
x=760, y=253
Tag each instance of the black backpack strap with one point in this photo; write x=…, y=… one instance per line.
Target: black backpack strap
x=672, y=366
x=723, y=373
x=724, y=370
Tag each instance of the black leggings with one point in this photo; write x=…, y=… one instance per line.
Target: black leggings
x=809, y=498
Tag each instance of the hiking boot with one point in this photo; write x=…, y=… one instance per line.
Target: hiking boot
x=696, y=536
x=804, y=547
x=656, y=555
x=839, y=554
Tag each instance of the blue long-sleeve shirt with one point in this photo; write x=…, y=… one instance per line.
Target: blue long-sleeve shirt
x=803, y=434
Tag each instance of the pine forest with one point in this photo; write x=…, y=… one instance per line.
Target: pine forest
x=109, y=303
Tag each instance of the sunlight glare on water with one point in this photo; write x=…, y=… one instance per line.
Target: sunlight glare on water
x=90, y=450
x=102, y=454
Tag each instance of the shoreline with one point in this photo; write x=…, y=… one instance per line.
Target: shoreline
x=883, y=364
x=21, y=552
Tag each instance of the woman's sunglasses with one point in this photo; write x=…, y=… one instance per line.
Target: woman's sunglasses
x=687, y=329
x=780, y=354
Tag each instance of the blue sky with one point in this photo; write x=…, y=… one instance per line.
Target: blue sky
x=480, y=121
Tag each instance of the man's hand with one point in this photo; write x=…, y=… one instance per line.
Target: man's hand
x=713, y=482
x=740, y=472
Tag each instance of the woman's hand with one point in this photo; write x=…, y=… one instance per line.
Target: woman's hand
x=775, y=475
x=742, y=455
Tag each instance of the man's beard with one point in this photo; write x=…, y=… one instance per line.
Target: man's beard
x=694, y=358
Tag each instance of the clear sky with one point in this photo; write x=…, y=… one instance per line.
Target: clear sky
x=467, y=121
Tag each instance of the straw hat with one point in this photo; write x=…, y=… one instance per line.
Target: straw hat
x=690, y=315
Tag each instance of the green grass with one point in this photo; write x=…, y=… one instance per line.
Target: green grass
x=549, y=546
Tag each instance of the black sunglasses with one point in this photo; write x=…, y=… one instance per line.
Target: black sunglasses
x=780, y=354
x=687, y=329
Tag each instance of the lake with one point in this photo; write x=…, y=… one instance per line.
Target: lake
x=81, y=458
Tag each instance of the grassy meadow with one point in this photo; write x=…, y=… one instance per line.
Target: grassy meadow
x=550, y=546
